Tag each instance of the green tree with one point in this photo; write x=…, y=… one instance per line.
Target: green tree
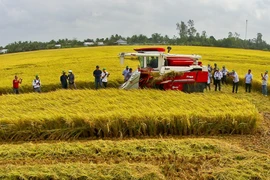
x=182, y=31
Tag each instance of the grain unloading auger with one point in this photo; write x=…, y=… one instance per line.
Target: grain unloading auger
x=166, y=71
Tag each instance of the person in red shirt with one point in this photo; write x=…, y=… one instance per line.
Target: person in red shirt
x=16, y=85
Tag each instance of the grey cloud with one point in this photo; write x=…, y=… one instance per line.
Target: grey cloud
x=45, y=20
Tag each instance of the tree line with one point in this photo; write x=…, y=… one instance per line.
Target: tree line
x=187, y=35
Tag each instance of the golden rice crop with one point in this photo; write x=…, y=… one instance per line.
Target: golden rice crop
x=119, y=113
x=132, y=159
x=49, y=64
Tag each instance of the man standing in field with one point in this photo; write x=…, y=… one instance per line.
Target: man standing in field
x=97, y=74
x=104, y=76
x=235, y=77
x=16, y=85
x=214, y=71
x=217, y=78
x=209, y=67
x=129, y=74
x=37, y=84
x=224, y=73
x=63, y=80
x=248, y=80
x=264, y=83
x=125, y=73
x=71, y=80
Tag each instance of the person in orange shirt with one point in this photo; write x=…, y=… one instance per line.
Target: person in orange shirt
x=16, y=84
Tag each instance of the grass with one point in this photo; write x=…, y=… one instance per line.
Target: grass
x=118, y=113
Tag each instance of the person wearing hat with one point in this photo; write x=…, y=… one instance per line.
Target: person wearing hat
x=97, y=74
x=248, y=81
x=217, y=77
x=71, y=80
x=125, y=73
x=264, y=83
x=224, y=73
x=64, y=80
x=235, y=77
x=37, y=84
x=104, y=77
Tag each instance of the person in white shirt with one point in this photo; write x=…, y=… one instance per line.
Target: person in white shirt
x=235, y=77
x=224, y=73
x=264, y=83
x=248, y=81
x=37, y=84
x=217, y=76
x=104, y=77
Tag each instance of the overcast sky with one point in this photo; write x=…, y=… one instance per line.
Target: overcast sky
x=44, y=20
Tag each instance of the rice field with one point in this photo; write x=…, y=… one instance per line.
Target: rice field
x=138, y=134
x=49, y=64
x=199, y=158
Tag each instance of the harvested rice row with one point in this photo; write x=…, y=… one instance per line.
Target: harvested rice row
x=132, y=159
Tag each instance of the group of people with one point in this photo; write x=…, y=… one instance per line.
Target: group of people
x=127, y=73
x=219, y=77
x=215, y=76
x=67, y=81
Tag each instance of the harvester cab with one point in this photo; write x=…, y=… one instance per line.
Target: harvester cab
x=166, y=71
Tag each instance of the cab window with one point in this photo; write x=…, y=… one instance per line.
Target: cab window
x=152, y=62
x=141, y=59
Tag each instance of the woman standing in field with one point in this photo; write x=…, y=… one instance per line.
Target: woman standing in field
x=16, y=85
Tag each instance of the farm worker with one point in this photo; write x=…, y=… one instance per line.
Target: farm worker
x=235, y=77
x=208, y=81
x=63, y=80
x=97, y=74
x=224, y=73
x=128, y=74
x=209, y=67
x=248, y=80
x=104, y=76
x=217, y=77
x=71, y=80
x=264, y=83
x=125, y=72
x=37, y=84
x=214, y=71
x=16, y=85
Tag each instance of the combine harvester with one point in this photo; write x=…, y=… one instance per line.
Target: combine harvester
x=165, y=71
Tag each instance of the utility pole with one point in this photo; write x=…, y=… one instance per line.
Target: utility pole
x=246, y=29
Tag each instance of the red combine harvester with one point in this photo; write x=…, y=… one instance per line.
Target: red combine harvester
x=162, y=70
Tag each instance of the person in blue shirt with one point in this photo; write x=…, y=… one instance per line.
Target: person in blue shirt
x=97, y=74
x=125, y=73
